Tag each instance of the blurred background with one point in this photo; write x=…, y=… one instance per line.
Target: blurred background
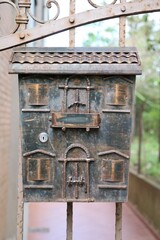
x=47, y=221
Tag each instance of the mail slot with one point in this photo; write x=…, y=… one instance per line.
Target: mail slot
x=76, y=108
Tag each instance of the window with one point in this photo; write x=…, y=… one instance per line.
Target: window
x=39, y=169
x=37, y=94
x=112, y=171
x=117, y=94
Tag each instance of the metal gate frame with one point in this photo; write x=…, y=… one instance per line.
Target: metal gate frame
x=21, y=35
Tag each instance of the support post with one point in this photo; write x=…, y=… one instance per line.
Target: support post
x=69, y=233
x=122, y=40
x=22, y=19
x=118, y=222
x=122, y=26
x=20, y=207
x=72, y=20
x=69, y=221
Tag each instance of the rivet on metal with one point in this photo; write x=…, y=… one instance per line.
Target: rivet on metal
x=22, y=35
x=123, y=9
x=72, y=19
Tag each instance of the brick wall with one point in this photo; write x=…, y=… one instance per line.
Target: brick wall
x=8, y=132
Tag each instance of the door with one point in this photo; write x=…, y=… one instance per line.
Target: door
x=76, y=180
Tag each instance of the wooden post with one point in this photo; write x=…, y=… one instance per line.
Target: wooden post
x=118, y=222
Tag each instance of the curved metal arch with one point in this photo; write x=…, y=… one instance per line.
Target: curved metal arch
x=96, y=5
x=77, y=145
x=69, y=78
x=80, y=19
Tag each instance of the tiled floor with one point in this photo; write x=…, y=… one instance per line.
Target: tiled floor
x=92, y=221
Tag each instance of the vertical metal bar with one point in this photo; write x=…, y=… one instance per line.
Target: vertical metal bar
x=39, y=169
x=88, y=94
x=77, y=100
x=88, y=179
x=20, y=207
x=69, y=220
x=118, y=206
x=65, y=99
x=64, y=179
x=23, y=18
x=118, y=225
x=76, y=184
x=122, y=26
x=71, y=44
x=72, y=19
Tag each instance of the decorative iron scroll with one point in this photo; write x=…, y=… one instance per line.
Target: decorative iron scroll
x=23, y=17
x=17, y=11
x=48, y=5
x=96, y=5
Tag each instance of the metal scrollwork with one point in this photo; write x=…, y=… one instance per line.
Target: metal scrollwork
x=48, y=5
x=17, y=11
x=96, y=6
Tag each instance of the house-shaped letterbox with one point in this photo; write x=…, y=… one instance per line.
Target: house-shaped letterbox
x=75, y=115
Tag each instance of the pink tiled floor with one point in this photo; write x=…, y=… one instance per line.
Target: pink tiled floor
x=92, y=221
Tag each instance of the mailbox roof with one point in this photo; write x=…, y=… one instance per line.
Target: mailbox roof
x=76, y=61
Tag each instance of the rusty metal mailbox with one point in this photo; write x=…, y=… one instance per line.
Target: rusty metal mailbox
x=75, y=114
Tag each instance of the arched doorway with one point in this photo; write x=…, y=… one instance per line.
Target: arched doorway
x=75, y=183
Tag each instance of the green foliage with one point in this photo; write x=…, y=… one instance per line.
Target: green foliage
x=101, y=37
x=151, y=120
x=151, y=114
x=150, y=166
x=144, y=33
